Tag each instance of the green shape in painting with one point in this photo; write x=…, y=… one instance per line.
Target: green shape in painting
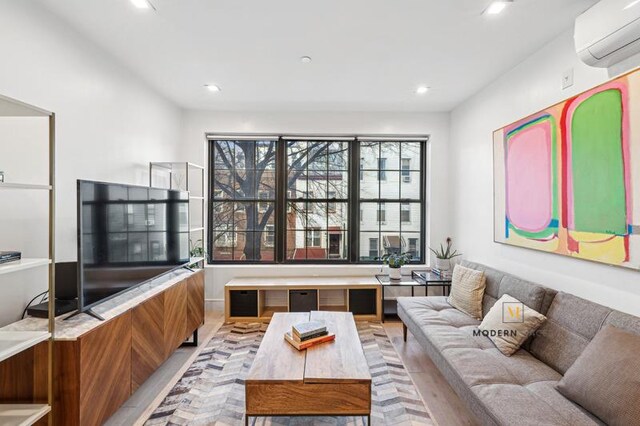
x=599, y=200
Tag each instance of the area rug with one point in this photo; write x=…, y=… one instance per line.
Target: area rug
x=211, y=392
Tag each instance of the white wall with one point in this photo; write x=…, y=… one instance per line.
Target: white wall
x=528, y=88
x=109, y=123
x=197, y=123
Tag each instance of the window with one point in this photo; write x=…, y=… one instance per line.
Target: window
x=270, y=235
x=317, y=195
x=405, y=212
x=313, y=237
x=396, y=199
x=382, y=167
x=243, y=197
x=314, y=200
x=381, y=212
x=406, y=170
x=373, y=248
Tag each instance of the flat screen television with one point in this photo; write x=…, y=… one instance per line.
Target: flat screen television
x=127, y=235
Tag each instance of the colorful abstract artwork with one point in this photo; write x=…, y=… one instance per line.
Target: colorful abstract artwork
x=567, y=179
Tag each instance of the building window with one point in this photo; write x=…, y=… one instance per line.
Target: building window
x=405, y=212
x=382, y=169
x=406, y=170
x=314, y=237
x=269, y=235
x=289, y=200
x=381, y=212
x=374, y=251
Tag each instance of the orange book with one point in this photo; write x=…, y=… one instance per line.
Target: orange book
x=308, y=343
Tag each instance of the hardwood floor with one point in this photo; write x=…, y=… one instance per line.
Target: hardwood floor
x=444, y=404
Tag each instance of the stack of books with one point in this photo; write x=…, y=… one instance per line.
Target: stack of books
x=307, y=334
x=443, y=274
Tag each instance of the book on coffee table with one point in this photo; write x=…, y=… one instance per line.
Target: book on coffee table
x=307, y=329
x=308, y=343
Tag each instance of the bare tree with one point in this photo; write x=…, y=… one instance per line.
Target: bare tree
x=245, y=164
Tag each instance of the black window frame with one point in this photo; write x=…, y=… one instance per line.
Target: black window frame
x=353, y=205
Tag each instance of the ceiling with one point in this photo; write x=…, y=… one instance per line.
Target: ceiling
x=368, y=55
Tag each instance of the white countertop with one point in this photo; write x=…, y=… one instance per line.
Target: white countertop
x=72, y=328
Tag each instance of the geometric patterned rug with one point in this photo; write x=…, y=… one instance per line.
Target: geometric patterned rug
x=211, y=392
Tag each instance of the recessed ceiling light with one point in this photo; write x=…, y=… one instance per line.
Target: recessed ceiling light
x=142, y=4
x=305, y=59
x=421, y=90
x=496, y=7
x=213, y=87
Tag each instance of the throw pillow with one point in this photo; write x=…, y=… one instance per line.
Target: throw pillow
x=605, y=379
x=509, y=323
x=467, y=290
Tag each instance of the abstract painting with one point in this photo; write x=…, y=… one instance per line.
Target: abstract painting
x=567, y=179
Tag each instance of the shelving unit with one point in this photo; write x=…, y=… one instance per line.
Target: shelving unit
x=22, y=264
x=22, y=414
x=189, y=177
x=37, y=127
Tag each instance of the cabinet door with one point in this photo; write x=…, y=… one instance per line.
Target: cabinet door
x=105, y=370
x=175, y=317
x=148, y=350
x=195, y=299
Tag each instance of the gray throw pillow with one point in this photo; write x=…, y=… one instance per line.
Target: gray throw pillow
x=605, y=379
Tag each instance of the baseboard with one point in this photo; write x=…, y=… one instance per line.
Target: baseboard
x=215, y=305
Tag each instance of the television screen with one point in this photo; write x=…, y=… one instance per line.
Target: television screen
x=127, y=235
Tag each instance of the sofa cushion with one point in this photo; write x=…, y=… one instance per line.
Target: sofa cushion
x=605, y=379
x=467, y=290
x=531, y=405
x=571, y=324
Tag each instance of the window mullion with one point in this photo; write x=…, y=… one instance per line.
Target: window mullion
x=353, y=208
x=281, y=201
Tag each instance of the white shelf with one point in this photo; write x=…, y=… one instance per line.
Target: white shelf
x=196, y=260
x=193, y=197
x=24, y=263
x=8, y=185
x=22, y=414
x=196, y=229
x=14, y=342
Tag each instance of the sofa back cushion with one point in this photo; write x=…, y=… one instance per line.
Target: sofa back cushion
x=571, y=324
x=499, y=283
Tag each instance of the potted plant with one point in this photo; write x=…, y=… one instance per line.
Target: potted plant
x=395, y=261
x=197, y=249
x=444, y=254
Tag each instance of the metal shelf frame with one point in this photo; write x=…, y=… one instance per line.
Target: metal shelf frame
x=16, y=342
x=196, y=200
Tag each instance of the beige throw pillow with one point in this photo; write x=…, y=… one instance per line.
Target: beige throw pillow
x=605, y=379
x=467, y=290
x=509, y=323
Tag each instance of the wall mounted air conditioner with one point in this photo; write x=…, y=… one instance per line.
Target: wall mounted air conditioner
x=608, y=33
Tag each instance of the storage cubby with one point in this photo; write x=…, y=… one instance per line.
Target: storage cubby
x=244, y=303
x=363, y=301
x=270, y=302
x=303, y=300
x=334, y=300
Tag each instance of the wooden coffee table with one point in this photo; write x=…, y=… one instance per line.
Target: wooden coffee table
x=331, y=379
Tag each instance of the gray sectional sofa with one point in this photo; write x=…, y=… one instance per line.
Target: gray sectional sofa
x=517, y=390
